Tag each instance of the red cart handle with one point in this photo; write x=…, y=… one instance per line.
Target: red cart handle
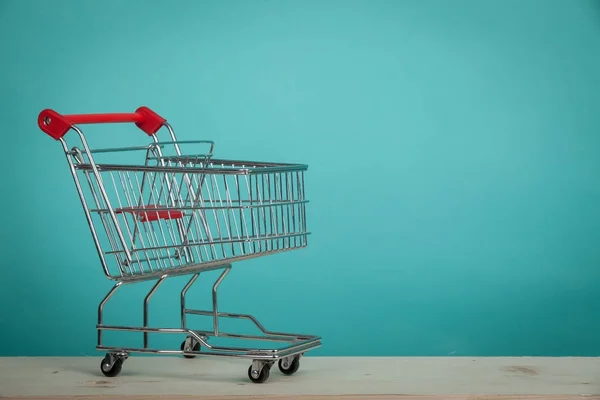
x=57, y=125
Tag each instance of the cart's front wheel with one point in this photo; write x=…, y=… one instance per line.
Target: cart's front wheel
x=289, y=367
x=195, y=347
x=259, y=377
x=111, y=367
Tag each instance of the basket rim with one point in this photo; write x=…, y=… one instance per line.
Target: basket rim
x=225, y=167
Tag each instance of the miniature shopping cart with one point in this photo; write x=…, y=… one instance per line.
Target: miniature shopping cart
x=183, y=213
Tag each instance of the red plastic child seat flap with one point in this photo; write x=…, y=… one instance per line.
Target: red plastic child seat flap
x=154, y=215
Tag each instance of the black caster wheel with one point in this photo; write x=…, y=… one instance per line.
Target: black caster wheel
x=115, y=369
x=289, y=367
x=196, y=347
x=262, y=377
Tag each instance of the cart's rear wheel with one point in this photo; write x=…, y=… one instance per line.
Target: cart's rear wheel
x=195, y=347
x=111, y=371
x=288, y=367
x=262, y=376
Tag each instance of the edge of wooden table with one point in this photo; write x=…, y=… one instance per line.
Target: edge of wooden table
x=319, y=378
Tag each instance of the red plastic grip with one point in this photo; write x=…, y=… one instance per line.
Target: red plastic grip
x=57, y=125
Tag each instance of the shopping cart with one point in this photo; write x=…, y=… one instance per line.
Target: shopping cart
x=182, y=214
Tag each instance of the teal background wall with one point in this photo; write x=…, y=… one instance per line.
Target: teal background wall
x=454, y=152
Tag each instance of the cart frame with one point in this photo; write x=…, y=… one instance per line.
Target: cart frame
x=186, y=249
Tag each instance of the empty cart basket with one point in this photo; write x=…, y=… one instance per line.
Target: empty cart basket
x=181, y=212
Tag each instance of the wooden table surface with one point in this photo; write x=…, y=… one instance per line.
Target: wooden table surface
x=450, y=378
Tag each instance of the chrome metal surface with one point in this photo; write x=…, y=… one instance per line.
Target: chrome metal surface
x=175, y=214
x=214, y=211
x=146, y=301
x=296, y=343
x=214, y=299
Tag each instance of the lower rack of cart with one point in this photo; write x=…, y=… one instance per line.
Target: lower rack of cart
x=196, y=342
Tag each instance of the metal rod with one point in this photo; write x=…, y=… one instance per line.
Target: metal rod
x=183, y=293
x=249, y=318
x=146, y=301
x=271, y=356
x=194, y=170
x=86, y=210
x=254, y=353
x=282, y=339
x=214, y=299
x=103, y=192
x=101, y=308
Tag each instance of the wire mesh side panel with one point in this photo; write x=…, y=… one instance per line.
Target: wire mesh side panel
x=171, y=218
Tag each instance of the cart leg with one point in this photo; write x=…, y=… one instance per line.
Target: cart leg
x=183, y=293
x=110, y=293
x=215, y=310
x=214, y=299
x=190, y=344
x=146, y=302
x=113, y=362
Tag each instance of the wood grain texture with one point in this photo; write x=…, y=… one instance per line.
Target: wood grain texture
x=313, y=397
x=348, y=378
